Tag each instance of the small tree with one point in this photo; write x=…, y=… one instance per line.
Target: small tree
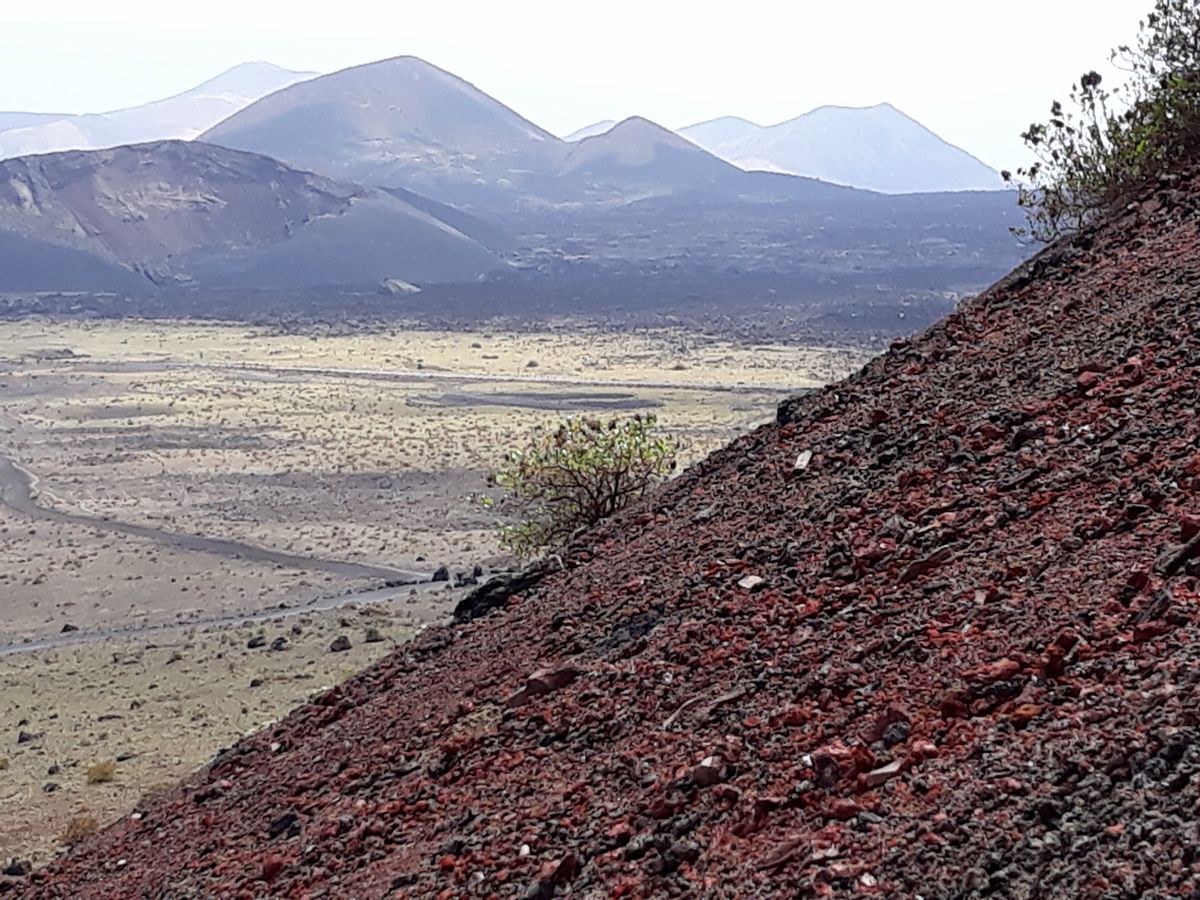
x=1103, y=147
x=578, y=474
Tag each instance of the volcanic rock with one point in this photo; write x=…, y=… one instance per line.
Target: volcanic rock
x=1046, y=740
x=497, y=591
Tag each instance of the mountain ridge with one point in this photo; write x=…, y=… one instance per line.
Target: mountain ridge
x=590, y=130
x=877, y=147
x=181, y=116
x=399, y=122
x=188, y=212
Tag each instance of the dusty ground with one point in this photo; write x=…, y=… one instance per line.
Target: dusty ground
x=158, y=706
x=327, y=450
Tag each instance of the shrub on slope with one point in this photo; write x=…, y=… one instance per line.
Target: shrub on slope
x=1102, y=147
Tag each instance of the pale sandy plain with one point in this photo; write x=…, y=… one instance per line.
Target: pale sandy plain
x=348, y=457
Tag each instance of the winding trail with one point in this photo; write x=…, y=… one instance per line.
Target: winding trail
x=16, y=492
x=247, y=369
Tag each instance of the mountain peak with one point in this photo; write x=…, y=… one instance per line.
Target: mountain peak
x=634, y=141
x=876, y=147
x=882, y=109
x=400, y=122
x=249, y=79
x=723, y=122
x=642, y=127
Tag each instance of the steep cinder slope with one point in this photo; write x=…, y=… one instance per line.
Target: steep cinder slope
x=970, y=667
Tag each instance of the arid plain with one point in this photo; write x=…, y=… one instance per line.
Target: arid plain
x=193, y=513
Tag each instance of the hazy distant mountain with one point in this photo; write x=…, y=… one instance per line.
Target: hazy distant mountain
x=401, y=123
x=591, y=130
x=638, y=155
x=26, y=119
x=635, y=197
x=183, y=116
x=179, y=212
x=407, y=124
x=457, y=178
x=878, y=148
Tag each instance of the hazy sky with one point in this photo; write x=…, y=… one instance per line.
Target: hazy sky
x=976, y=72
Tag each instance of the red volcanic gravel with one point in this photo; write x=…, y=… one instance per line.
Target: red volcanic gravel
x=970, y=667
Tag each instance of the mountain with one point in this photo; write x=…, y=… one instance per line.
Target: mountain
x=634, y=201
x=10, y=120
x=638, y=153
x=877, y=148
x=183, y=116
x=926, y=633
x=636, y=197
x=591, y=130
x=397, y=123
x=404, y=123
x=715, y=132
x=190, y=213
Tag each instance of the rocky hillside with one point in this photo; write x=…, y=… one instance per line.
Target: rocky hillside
x=192, y=213
x=932, y=633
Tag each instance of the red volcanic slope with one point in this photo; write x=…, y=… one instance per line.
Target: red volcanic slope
x=970, y=668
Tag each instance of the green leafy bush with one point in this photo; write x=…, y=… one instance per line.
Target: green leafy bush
x=1103, y=147
x=577, y=474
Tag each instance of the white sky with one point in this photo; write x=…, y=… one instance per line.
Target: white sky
x=976, y=72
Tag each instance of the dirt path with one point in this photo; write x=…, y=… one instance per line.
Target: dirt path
x=421, y=375
x=17, y=493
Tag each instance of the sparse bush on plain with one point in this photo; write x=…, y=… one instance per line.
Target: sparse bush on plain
x=1103, y=147
x=79, y=829
x=102, y=772
x=573, y=476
